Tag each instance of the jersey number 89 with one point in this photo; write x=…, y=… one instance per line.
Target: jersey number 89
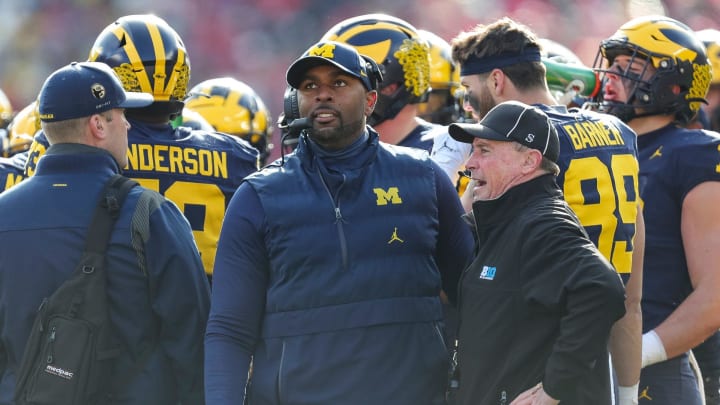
x=613, y=207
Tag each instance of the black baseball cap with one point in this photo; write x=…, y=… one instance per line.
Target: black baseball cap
x=342, y=56
x=82, y=89
x=513, y=121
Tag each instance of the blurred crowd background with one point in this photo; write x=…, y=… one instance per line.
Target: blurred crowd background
x=256, y=40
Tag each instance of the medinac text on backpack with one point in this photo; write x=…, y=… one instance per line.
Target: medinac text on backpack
x=70, y=353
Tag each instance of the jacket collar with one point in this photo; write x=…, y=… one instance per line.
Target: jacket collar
x=76, y=158
x=492, y=211
x=354, y=157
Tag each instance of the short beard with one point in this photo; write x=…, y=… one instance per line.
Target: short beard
x=339, y=137
x=481, y=105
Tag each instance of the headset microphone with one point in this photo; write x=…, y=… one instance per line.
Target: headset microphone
x=292, y=131
x=300, y=123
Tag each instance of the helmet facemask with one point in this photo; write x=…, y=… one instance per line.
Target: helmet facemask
x=637, y=90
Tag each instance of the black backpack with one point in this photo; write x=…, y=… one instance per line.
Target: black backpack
x=69, y=356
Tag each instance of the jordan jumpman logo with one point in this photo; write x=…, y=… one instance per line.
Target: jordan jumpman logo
x=395, y=237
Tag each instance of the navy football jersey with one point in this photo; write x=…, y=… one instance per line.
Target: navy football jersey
x=672, y=162
x=197, y=170
x=11, y=170
x=599, y=177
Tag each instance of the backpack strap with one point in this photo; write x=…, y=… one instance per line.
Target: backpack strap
x=113, y=196
x=140, y=224
x=111, y=200
x=106, y=213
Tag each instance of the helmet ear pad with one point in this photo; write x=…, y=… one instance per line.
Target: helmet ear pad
x=665, y=90
x=669, y=90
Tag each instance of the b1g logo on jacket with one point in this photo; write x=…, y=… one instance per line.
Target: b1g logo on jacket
x=488, y=273
x=391, y=196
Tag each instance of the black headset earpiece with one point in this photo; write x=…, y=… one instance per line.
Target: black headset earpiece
x=289, y=122
x=290, y=104
x=373, y=71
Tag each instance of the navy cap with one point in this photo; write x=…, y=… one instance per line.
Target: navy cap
x=513, y=121
x=82, y=89
x=342, y=56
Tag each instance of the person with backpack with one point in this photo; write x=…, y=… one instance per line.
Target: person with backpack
x=156, y=290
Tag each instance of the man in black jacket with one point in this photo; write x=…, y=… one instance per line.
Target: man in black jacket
x=538, y=301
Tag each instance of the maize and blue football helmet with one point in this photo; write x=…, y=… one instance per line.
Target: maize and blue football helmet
x=149, y=57
x=682, y=73
x=233, y=107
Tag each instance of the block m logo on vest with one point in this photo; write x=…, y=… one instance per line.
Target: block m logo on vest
x=392, y=196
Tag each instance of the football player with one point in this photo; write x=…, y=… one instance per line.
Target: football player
x=655, y=75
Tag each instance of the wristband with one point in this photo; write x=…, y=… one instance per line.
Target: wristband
x=628, y=395
x=653, y=350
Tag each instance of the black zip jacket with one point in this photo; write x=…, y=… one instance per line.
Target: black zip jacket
x=536, y=304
